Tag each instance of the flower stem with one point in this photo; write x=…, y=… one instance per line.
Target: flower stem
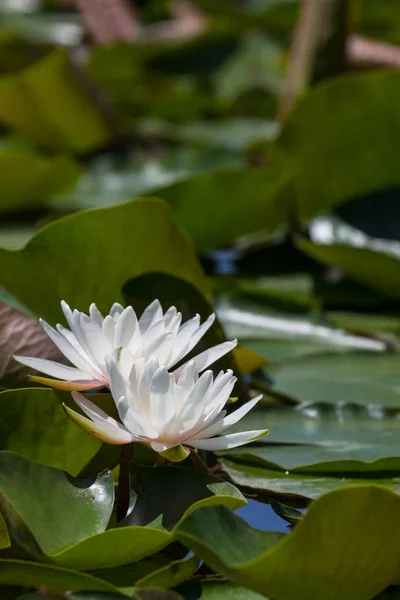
x=161, y=461
x=198, y=463
x=124, y=481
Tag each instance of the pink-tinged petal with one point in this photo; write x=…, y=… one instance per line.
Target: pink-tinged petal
x=231, y=440
x=210, y=356
x=54, y=369
x=105, y=432
x=68, y=386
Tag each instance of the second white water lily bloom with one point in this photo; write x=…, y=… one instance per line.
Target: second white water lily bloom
x=92, y=337
x=169, y=413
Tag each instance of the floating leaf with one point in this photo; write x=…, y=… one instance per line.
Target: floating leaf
x=35, y=426
x=315, y=560
x=250, y=197
x=324, y=438
x=73, y=508
x=164, y=495
x=33, y=575
x=342, y=164
x=143, y=238
x=48, y=103
x=303, y=486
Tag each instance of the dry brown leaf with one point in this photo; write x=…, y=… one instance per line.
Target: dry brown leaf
x=20, y=334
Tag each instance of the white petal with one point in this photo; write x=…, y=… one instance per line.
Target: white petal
x=54, y=369
x=116, y=310
x=125, y=327
x=117, y=385
x=222, y=424
x=170, y=315
x=146, y=376
x=63, y=344
x=67, y=313
x=96, y=342
x=197, y=335
x=195, y=401
x=95, y=314
x=99, y=423
x=108, y=328
x=150, y=315
x=232, y=440
x=206, y=358
x=162, y=398
x=182, y=339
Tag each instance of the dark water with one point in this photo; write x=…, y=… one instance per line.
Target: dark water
x=261, y=516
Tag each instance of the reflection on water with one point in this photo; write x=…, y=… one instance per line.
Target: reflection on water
x=261, y=516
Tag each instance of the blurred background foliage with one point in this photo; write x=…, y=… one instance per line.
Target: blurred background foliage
x=271, y=128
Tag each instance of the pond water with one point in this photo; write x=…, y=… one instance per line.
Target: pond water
x=262, y=516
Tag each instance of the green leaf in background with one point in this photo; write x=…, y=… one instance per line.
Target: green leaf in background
x=34, y=425
x=106, y=247
x=45, y=509
x=50, y=105
x=354, y=377
x=279, y=335
x=348, y=555
x=379, y=270
x=164, y=495
x=324, y=438
x=217, y=207
x=113, y=178
x=357, y=152
x=33, y=575
x=29, y=179
x=295, y=485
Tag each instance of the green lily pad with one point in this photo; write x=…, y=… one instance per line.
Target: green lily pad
x=324, y=438
x=251, y=198
x=289, y=485
x=48, y=104
x=35, y=426
x=376, y=269
x=341, y=164
x=33, y=575
x=29, y=179
x=141, y=234
x=165, y=495
x=150, y=572
x=354, y=377
x=46, y=510
x=348, y=555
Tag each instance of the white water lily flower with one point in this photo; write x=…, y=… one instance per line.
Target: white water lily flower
x=169, y=413
x=91, y=338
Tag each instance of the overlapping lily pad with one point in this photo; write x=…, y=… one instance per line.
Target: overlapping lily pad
x=35, y=426
x=316, y=558
x=106, y=247
x=323, y=438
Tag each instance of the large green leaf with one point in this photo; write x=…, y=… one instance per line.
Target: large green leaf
x=164, y=495
x=354, y=377
x=33, y=575
x=336, y=551
x=357, y=153
x=150, y=572
x=29, y=178
x=106, y=247
x=48, y=103
x=34, y=425
x=217, y=207
x=113, y=548
x=324, y=438
x=303, y=486
x=376, y=268
x=46, y=510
